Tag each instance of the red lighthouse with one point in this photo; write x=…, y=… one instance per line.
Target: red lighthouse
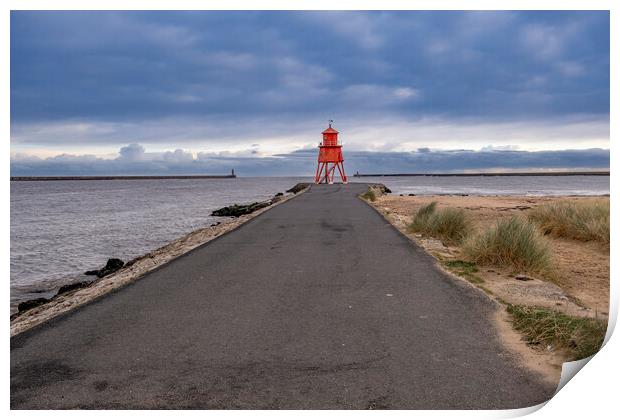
x=330, y=158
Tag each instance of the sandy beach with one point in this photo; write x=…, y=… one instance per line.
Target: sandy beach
x=578, y=289
x=582, y=282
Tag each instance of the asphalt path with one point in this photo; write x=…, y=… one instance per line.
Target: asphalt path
x=317, y=303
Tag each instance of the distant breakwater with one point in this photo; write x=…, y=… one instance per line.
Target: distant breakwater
x=117, y=177
x=573, y=173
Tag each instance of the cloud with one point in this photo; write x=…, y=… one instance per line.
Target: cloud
x=277, y=135
x=122, y=66
x=134, y=160
x=133, y=152
x=93, y=82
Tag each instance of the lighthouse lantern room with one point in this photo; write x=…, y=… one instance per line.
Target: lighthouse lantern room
x=330, y=158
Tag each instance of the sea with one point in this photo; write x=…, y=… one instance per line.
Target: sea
x=59, y=229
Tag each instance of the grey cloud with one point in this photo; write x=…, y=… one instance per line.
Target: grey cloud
x=132, y=152
x=302, y=162
x=128, y=66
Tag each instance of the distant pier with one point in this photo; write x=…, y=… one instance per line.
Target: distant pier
x=567, y=173
x=120, y=177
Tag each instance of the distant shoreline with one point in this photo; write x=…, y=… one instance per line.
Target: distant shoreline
x=117, y=177
x=576, y=173
x=356, y=175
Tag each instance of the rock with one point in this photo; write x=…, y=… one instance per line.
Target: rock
x=381, y=188
x=73, y=286
x=411, y=195
x=299, y=187
x=29, y=304
x=215, y=224
x=523, y=277
x=113, y=265
x=279, y=194
x=237, y=210
x=135, y=260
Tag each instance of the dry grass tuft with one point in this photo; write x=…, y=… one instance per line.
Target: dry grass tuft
x=370, y=195
x=581, y=221
x=420, y=220
x=513, y=243
x=450, y=225
x=579, y=337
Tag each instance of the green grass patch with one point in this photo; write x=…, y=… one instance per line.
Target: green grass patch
x=582, y=221
x=579, y=337
x=450, y=225
x=369, y=195
x=464, y=269
x=420, y=219
x=511, y=243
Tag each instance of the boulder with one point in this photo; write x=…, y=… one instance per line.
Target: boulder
x=113, y=265
x=69, y=287
x=299, y=187
x=380, y=188
x=277, y=198
x=29, y=304
x=237, y=210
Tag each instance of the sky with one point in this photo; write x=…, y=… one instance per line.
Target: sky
x=203, y=92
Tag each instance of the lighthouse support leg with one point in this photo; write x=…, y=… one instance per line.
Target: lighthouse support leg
x=332, y=173
x=340, y=166
x=319, y=172
x=326, y=172
x=324, y=176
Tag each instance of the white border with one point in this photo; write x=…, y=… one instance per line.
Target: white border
x=591, y=395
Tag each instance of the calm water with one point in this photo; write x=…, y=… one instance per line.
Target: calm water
x=496, y=185
x=61, y=228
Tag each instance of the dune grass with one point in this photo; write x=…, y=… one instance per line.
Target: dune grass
x=450, y=225
x=420, y=219
x=581, y=221
x=512, y=243
x=370, y=195
x=579, y=337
